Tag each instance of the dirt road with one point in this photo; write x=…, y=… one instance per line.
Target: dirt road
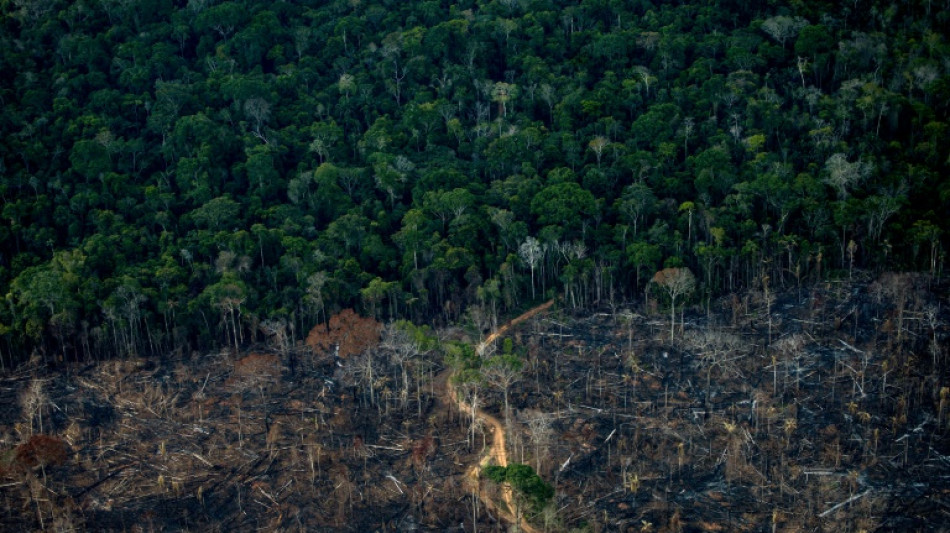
x=497, y=452
x=480, y=349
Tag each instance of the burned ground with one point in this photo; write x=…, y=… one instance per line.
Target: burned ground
x=220, y=443
x=825, y=410
x=820, y=409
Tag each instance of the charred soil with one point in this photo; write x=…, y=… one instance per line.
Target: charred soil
x=821, y=409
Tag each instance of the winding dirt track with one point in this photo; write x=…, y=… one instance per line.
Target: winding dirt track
x=497, y=452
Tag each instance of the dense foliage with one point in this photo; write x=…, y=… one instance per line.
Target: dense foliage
x=524, y=480
x=175, y=175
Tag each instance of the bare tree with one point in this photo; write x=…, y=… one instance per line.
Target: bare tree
x=717, y=349
x=33, y=401
x=230, y=306
x=258, y=110
x=531, y=253
x=882, y=208
x=503, y=371
x=675, y=282
x=842, y=175
x=402, y=348
x=276, y=332
x=540, y=432
x=469, y=394
x=646, y=78
x=783, y=28
x=365, y=370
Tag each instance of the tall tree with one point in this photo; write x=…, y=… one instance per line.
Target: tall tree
x=675, y=282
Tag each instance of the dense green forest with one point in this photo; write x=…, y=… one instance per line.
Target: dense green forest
x=183, y=176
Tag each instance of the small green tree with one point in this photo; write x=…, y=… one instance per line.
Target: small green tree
x=527, y=484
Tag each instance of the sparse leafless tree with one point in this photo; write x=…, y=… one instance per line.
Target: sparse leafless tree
x=276, y=332
x=258, y=110
x=469, y=393
x=782, y=28
x=842, y=174
x=503, y=371
x=402, y=348
x=531, y=252
x=33, y=401
x=540, y=433
x=717, y=349
x=675, y=282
